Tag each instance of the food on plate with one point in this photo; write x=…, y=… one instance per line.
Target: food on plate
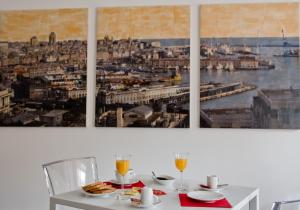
x=133, y=191
x=98, y=188
x=136, y=201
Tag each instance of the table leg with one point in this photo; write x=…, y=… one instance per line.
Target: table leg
x=254, y=203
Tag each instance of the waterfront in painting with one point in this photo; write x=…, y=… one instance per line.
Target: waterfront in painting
x=250, y=82
x=285, y=75
x=143, y=73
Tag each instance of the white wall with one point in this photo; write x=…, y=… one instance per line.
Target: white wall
x=267, y=159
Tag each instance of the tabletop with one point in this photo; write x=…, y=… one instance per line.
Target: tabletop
x=238, y=196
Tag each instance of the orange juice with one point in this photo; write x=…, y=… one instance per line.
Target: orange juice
x=181, y=164
x=122, y=166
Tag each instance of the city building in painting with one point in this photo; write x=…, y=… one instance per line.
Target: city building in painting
x=143, y=67
x=43, y=56
x=249, y=66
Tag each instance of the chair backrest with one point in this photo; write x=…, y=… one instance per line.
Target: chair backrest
x=286, y=205
x=70, y=174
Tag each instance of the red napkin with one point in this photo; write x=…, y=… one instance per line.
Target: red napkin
x=128, y=186
x=158, y=192
x=139, y=184
x=185, y=201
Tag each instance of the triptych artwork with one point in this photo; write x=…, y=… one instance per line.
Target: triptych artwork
x=249, y=67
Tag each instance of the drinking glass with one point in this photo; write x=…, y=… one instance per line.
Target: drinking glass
x=122, y=166
x=181, y=162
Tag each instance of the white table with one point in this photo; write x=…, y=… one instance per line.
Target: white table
x=238, y=197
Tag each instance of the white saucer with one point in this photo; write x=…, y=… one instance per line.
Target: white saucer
x=205, y=196
x=156, y=201
x=130, y=182
x=220, y=187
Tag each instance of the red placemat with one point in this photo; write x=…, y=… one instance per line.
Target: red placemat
x=138, y=184
x=185, y=201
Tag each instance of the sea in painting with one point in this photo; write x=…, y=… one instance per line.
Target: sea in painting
x=250, y=74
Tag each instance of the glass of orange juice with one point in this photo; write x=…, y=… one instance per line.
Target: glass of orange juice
x=122, y=166
x=181, y=159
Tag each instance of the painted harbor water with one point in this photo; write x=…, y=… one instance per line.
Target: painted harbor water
x=285, y=75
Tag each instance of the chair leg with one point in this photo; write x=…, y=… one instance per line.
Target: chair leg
x=276, y=206
x=52, y=206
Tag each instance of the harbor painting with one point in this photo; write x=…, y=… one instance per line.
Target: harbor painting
x=43, y=68
x=249, y=66
x=143, y=67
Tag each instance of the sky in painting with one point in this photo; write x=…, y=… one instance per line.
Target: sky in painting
x=68, y=24
x=144, y=22
x=249, y=20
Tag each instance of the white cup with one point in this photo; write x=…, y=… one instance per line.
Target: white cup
x=147, y=196
x=130, y=175
x=212, y=181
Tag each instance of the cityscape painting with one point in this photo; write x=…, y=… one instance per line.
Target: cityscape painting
x=249, y=66
x=143, y=67
x=43, y=56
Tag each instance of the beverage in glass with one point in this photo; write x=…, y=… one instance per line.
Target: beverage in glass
x=181, y=159
x=122, y=166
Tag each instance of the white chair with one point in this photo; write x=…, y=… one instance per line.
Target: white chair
x=70, y=174
x=278, y=204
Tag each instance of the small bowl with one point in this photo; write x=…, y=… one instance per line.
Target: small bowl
x=168, y=182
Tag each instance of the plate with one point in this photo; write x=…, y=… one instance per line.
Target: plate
x=97, y=195
x=130, y=182
x=138, y=204
x=205, y=196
